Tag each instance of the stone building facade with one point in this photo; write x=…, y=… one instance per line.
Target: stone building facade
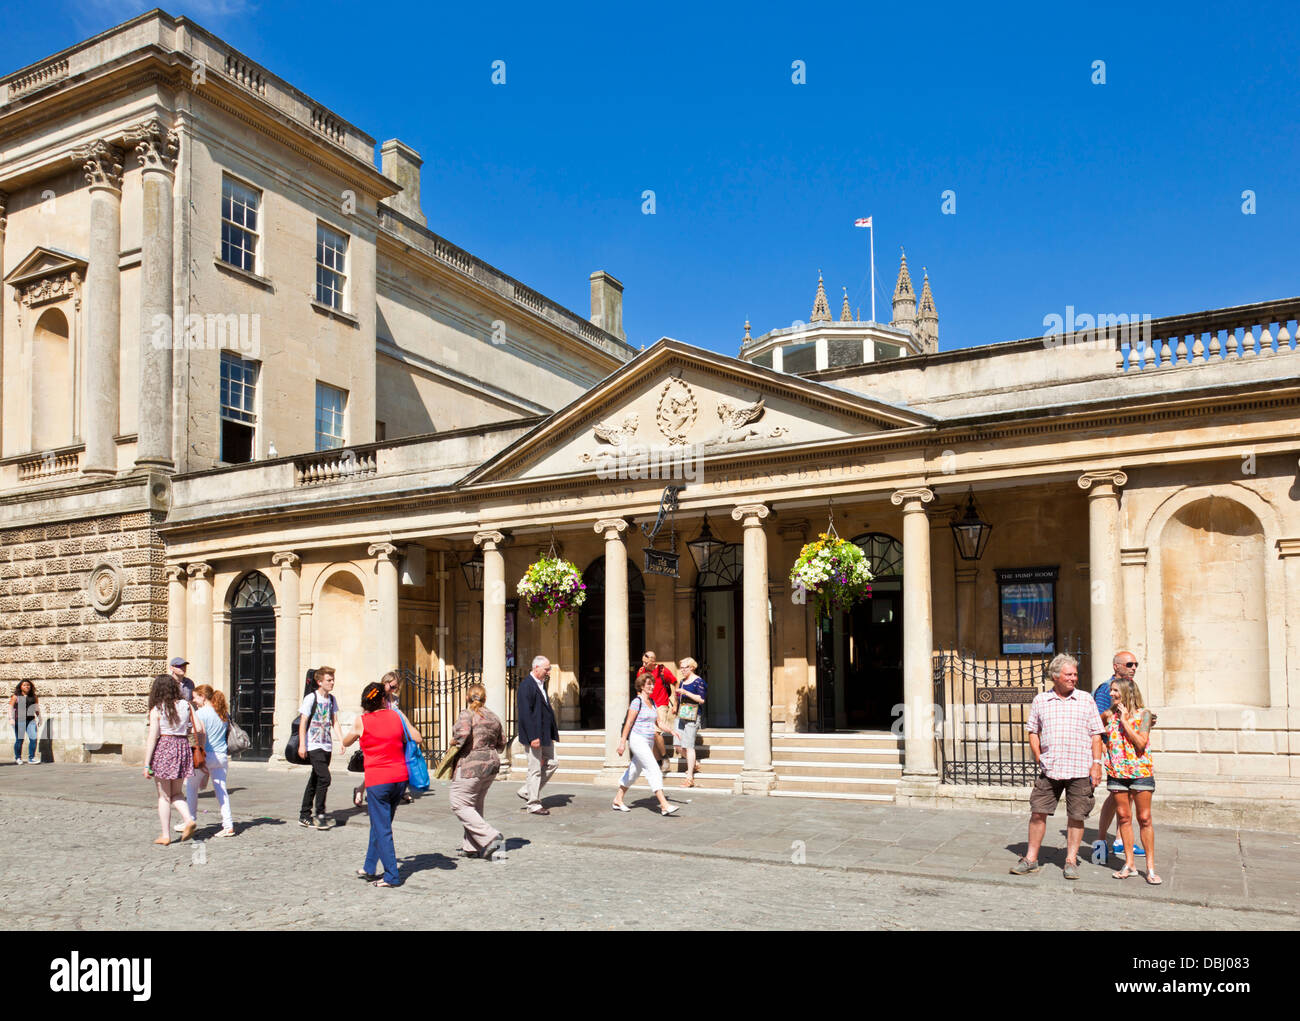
x=1140, y=480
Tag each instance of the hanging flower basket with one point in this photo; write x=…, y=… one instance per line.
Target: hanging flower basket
x=552, y=585
x=835, y=572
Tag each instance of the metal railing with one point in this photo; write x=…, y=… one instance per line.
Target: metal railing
x=433, y=706
x=981, y=737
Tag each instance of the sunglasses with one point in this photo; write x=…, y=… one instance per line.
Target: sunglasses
x=1128, y=664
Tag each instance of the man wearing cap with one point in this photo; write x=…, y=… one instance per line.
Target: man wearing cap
x=177, y=669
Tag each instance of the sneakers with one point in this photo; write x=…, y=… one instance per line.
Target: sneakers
x=305, y=822
x=1118, y=848
x=1071, y=870
x=322, y=822
x=1025, y=868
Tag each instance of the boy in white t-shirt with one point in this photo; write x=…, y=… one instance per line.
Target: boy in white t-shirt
x=319, y=714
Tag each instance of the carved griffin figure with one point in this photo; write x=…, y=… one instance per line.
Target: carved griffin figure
x=736, y=421
x=616, y=435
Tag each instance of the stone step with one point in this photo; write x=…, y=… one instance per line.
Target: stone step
x=834, y=795
x=839, y=756
x=865, y=771
x=837, y=785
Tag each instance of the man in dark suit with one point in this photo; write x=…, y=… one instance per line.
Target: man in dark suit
x=538, y=732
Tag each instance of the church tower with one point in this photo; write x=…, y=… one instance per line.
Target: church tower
x=904, y=300
x=927, y=319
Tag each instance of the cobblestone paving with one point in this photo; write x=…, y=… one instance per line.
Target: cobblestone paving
x=75, y=852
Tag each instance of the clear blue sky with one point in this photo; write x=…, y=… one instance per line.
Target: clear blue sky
x=1124, y=197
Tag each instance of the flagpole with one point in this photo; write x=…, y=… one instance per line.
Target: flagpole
x=872, y=229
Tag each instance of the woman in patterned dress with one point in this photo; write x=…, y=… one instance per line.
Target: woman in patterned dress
x=167, y=755
x=1129, y=773
x=481, y=737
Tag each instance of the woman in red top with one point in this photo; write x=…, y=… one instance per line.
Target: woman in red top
x=382, y=733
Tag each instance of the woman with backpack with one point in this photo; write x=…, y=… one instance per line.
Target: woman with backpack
x=213, y=713
x=638, y=735
x=382, y=732
x=167, y=755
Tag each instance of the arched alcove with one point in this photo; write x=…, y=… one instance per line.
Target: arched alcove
x=338, y=636
x=51, y=382
x=1214, y=605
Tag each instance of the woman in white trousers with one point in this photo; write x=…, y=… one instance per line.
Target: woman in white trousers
x=638, y=736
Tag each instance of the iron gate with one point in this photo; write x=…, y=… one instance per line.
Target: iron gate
x=981, y=736
x=433, y=707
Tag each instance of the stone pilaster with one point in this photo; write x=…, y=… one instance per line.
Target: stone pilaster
x=103, y=167
x=199, y=629
x=4, y=219
x=918, y=638
x=386, y=647
x=967, y=605
x=757, y=775
x=288, y=662
x=176, y=623
x=156, y=146
x=1103, y=568
x=618, y=679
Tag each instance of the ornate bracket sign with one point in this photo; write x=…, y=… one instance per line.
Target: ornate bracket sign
x=659, y=561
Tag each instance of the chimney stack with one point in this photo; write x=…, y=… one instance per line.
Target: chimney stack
x=607, y=303
x=401, y=163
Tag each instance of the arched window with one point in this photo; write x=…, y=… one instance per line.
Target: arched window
x=723, y=569
x=254, y=592
x=51, y=382
x=884, y=554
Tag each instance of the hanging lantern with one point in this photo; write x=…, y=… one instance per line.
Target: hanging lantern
x=703, y=546
x=970, y=531
x=473, y=568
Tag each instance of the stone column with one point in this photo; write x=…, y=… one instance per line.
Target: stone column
x=757, y=775
x=386, y=645
x=103, y=166
x=494, y=622
x=618, y=680
x=288, y=632
x=918, y=638
x=1103, y=568
x=4, y=219
x=176, y=623
x=199, y=632
x=156, y=149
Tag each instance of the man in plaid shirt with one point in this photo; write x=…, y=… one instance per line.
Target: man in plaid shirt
x=1065, y=736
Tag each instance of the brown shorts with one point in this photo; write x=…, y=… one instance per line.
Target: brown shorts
x=1079, y=796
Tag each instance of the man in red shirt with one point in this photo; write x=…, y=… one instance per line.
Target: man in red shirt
x=662, y=696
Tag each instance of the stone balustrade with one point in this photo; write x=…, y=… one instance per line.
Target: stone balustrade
x=49, y=464
x=334, y=466
x=1248, y=331
x=51, y=72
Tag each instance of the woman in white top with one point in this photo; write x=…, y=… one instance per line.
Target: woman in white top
x=167, y=756
x=638, y=735
x=214, y=715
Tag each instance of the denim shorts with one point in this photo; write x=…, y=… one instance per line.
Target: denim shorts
x=1135, y=785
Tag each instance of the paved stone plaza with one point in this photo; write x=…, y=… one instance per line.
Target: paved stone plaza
x=77, y=854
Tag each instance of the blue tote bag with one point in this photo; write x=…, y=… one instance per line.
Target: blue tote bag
x=417, y=770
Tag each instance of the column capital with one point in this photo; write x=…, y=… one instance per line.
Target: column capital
x=201, y=571
x=489, y=539
x=916, y=497
x=1108, y=477
x=102, y=163
x=286, y=560
x=606, y=525
x=752, y=514
x=382, y=551
x=175, y=572
x=156, y=145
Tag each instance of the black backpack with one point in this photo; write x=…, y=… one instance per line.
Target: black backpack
x=291, y=746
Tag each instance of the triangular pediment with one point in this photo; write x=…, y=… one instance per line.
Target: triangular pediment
x=675, y=400
x=41, y=263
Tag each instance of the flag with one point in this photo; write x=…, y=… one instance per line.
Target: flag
x=862, y=222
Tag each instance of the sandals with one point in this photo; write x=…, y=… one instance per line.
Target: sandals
x=368, y=876
x=227, y=832
x=668, y=811
x=358, y=795
x=188, y=832
x=689, y=783
x=163, y=841
x=384, y=886
x=1153, y=880
x=620, y=808
x=1124, y=873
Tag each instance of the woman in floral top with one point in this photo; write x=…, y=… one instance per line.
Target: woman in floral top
x=1129, y=774
x=481, y=737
